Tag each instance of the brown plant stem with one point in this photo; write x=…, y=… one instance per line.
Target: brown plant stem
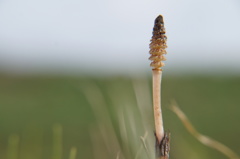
x=162, y=139
x=156, y=83
x=158, y=50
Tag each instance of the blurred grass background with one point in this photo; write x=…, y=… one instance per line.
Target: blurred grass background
x=104, y=117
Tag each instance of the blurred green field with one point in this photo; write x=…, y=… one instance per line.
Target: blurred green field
x=104, y=117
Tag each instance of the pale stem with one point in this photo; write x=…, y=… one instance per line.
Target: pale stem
x=157, y=77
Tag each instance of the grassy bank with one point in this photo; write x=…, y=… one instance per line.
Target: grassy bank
x=105, y=117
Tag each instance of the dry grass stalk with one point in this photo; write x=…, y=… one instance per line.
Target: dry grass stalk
x=157, y=50
x=202, y=138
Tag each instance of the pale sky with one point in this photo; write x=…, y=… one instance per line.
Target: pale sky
x=109, y=35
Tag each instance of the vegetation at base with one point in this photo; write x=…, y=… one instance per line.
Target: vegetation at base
x=31, y=108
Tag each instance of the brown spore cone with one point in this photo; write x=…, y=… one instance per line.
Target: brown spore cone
x=158, y=44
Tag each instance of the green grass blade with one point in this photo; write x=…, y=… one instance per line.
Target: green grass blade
x=57, y=142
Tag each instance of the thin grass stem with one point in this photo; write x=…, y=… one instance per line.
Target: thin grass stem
x=57, y=142
x=73, y=153
x=13, y=147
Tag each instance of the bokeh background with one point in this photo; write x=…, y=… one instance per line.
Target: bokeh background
x=76, y=74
